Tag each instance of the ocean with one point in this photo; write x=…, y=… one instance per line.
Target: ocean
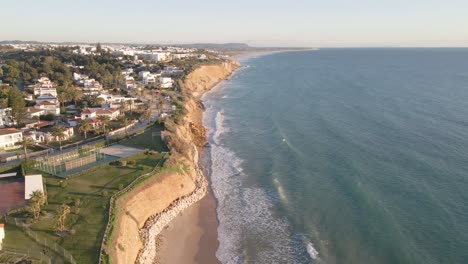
x=342, y=156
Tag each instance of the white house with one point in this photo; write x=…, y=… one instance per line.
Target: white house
x=45, y=82
x=91, y=113
x=46, y=97
x=33, y=111
x=166, y=82
x=149, y=79
x=88, y=114
x=45, y=91
x=32, y=183
x=5, y=117
x=49, y=107
x=9, y=137
x=142, y=74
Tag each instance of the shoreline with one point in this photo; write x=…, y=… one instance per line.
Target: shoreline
x=154, y=232
x=194, y=231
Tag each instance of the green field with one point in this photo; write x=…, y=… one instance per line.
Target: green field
x=93, y=188
x=150, y=139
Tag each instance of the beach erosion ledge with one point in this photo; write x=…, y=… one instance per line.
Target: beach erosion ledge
x=144, y=212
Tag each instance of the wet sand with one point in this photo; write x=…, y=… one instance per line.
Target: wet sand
x=192, y=236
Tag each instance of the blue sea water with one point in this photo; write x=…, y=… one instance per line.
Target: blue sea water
x=342, y=156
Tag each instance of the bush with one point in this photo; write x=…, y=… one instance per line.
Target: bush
x=63, y=184
x=123, y=163
x=121, y=186
x=77, y=202
x=105, y=193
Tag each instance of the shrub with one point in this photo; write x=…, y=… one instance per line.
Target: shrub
x=77, y=202
x=105, y=193
x=121, y=186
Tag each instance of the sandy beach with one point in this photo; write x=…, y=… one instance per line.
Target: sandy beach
x=193, y=233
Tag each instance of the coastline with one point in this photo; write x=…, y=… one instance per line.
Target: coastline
x=194, y=231
x=191, y=218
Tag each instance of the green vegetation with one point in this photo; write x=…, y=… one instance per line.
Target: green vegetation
x=55, y=64
x=87, y=194
x=150, y=139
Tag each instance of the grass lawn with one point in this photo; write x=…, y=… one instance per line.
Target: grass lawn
x=150, y=139
x=93, y=188
x=17, y=241
x=76, y=138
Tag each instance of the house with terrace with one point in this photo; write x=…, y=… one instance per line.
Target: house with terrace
x=9, y=137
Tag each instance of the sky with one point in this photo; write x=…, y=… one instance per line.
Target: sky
x=295, y=23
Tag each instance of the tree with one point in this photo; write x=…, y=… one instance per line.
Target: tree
x=10, y=74
x=74, y=95
x=62, y=95
x=36, y=202
x=123, y=106
x=98, y=48
x=85, y=126
x=103, y=123
x=17, y=104
x=97, y=101
x=146, y=114
x=61, y=216
x=125, y=122
x=59, y=132
x=25, y=143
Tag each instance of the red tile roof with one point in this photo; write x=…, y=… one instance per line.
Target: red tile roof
x=7, y=131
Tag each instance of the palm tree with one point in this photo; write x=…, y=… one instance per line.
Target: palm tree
x=25, y=143
x=125, y=122
x=123, y=106
x=85, y=126
x=36, y=201
x=59, y=132
x=62, y=95
x=104, y=122
x=97, y=101
x=61, y=216
x=74, y=95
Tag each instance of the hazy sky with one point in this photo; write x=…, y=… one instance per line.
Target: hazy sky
x=321, y=23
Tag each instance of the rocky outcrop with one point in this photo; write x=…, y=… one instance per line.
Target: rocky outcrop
x=185, y=139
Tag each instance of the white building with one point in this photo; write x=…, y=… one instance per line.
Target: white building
x=46, y=98
x=9, y=137
x=154, y=56
x=91, y=113
x=44, y=91
x=5, y=117
x=149, y=79
x=45, y=82
x=32, y=183
x=49, y=107
x=33, y=111
x=166, y=82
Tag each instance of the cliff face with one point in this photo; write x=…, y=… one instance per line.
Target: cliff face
x=148, y=209
x=190, y=130
x=206, y=77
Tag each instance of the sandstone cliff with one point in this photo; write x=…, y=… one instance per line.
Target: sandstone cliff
x=144, y=212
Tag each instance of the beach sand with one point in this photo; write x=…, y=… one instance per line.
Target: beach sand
x=192, y=236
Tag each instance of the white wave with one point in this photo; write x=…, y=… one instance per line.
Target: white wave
x=313, y=253
x=280, y=190
x=220, y=129
x=246, y=219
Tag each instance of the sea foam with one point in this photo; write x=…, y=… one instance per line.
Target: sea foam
x=248, y=230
